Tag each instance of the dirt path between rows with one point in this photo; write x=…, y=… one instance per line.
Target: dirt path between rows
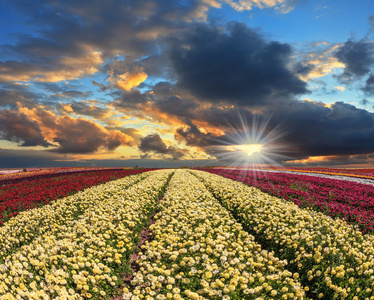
x=145, y=235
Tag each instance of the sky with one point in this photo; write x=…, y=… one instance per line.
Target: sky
x=160, y=83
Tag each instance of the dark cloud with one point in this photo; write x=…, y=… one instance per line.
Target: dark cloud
x=364, y=101
x=166, y=100
x=154, y=143
x=342, y=129
x=71, y=94
x=53, y=70
x=303, y=68
x=175, y=105
x=18, y=128
x=83, y=136
x=164, y=89
x=192, y=136
x=126, y=65
x=55, y=88
x=132, y=100
x=39, y=127
x=369, y=85
x=237, y=66
x=338, y=161
x=188, y=108
x=82, y=139
x=83, y=108
x=308, y=129
x=12, y=69
x=323, y=90
x=74, y=29
x=13, y=94
x=102, y=87
x=358, y=58
x=47, y=94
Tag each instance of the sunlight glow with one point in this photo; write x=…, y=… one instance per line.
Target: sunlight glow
x=252, y=142
x=250, y=149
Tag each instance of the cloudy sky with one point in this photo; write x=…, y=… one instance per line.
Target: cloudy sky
x=173, y=83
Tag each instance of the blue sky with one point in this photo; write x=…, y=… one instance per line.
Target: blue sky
x=118, y=82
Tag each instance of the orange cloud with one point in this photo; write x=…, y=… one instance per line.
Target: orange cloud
x=323, y=67
x=200, y=13
x=67, y=107
x=318, y=103
x=339, y=88
x=128, y=81
x=310, y=159
x=68, y=68
x=248, y=4
x=323, y=61
x=160, y=116
x=154, y=115
x=206, y=128
x=75, y=135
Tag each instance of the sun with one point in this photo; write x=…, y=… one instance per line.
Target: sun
x=252, y=142
x=250, y=149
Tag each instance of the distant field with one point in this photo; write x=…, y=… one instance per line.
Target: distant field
x=216, y=233
x=19, y=173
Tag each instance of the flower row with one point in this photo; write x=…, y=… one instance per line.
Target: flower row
x=353, y=202
x=28, y=225
x=199, y=251
x=364, y=173
x=40, y=190
x=335, y=176
x=36, y=173
x=334, y=259
x=80, y=257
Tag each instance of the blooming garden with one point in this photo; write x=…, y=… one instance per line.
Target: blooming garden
x=209, y=237
x=351, y=201
x=21, y=192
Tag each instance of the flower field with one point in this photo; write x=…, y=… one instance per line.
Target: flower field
x=199, y=251
x=14, y=175
x=335, y=260
x=361, y=173
x=53, y=172
x=77, y=247
x=351, y=201
x=209, y=237
x=19, y=194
